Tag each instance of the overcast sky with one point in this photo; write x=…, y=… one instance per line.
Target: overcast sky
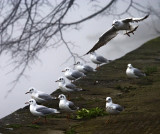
x=43, y=73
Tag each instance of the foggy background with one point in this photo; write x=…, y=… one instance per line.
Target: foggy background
x=43, y=73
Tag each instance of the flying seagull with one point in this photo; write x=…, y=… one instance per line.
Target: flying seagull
x=84, y=68
x=117, y=25
x=39, y=96
x=98, y=59
x=40, y=110
x=134, y=72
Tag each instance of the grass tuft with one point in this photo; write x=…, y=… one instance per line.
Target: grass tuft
x=33, y=126
x=14, y=126
x=70, y=131
x=150, y=70
x=91, y=113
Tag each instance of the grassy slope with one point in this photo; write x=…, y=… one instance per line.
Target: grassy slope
x=140, y=97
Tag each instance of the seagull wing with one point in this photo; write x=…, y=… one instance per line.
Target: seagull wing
x=71, y=86
x=45, y=96
x=134, y=19
x=119, y=108
x=101, y=59
x=105, y=38
x=88, y=68
x=76, y=74
x=138, y=73
x=72, y=106
x=45, y=110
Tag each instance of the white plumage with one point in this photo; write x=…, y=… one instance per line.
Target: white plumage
x=39, y=96
x=117, y=25
x=112, y=108
x=134, y=72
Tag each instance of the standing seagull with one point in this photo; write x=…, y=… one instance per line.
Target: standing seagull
x=112, y=108
x=66, y=105
x=134, y=72
x=67, y=87
x=84, y=68
x=73, y=74
x=39, y=96
x=39, y=110
x=98, y=59
x=117, y=25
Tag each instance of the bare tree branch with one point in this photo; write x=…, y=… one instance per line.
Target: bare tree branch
x=37, y=30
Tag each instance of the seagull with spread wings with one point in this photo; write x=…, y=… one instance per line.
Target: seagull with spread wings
x=117, y=25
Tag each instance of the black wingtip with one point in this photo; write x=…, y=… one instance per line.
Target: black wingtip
x=147, y=16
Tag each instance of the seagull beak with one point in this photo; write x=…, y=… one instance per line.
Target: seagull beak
x=112, y=24
x=27, y=92
x=27, y=103
x=63, y=70
x=57, y=81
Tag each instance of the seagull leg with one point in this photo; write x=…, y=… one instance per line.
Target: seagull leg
x=107, y=121
x=68, y=117
x=35, y=121
x=45, y=120
x=132, y=31
x=68, y=97
x=97, y=66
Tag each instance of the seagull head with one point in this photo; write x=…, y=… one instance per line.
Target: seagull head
x=66, y=69
x=60, y=79
x=78, y=63
x=108, y=99
x=116, y=23
x=31, y=90
x=129, y=66
x=62, y=97
x=31, y=102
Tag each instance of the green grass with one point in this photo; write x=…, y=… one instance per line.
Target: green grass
x=33, y=126
x=150, y=70
x=70, y=131
x=90, y=113
x=125, y=88
x=14, y=126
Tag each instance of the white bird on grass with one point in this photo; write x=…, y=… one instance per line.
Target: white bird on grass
x=40, y=110
x=112, y=108
x=67, y=87
x=134, y=72
x=84, y=68
x=39, y=96
x=72, y=74
x=66, y=105
x=98, y=59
